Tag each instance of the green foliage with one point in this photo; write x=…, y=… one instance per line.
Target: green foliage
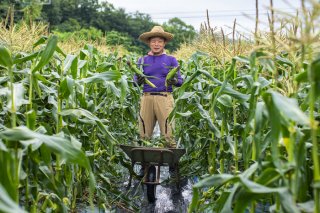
x=5, y=57
x=46, y=54
x=32, y=11
x=183, y=33
x=70, y=25
x=64, y=106
x=18, y=6
x=115, y=38
x=7, y=204
x=254, y=141
x=91, y=34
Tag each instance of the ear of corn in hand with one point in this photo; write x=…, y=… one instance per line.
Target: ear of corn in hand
x=149, y=83
x=171, y=74
x=139, y=72
x=135, y=69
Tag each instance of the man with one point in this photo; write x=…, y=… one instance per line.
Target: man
x=157, y=103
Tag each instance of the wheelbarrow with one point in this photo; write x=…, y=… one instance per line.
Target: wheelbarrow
x=151, y=159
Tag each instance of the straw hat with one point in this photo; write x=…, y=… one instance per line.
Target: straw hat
x=156, y=31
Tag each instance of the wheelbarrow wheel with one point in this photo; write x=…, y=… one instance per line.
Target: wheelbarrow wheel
x=151, y=188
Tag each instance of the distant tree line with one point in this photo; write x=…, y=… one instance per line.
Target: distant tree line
x=99, y=18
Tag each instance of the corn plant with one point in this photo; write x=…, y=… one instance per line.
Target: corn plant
x=55, y=130
x=244, y=108
x=267, y=120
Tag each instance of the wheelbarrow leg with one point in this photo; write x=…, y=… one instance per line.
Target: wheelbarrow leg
x=174, y=173
x=130, y=177
x=178, y=177
x=130, y=180
x=151, y=187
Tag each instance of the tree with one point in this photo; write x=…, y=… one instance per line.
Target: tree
x=32, y=11
x=52, y=13
x=182, y=33
x=139, y=23
x=69, y=26
x=117, y=38
x=87, y=11
x=9, y=6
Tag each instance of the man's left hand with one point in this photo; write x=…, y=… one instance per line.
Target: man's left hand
x=172, y=81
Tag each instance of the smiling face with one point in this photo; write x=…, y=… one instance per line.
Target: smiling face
x=157, y=45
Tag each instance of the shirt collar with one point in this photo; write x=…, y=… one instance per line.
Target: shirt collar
x=151, y=53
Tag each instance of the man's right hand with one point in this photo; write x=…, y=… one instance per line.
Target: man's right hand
x=140, y=80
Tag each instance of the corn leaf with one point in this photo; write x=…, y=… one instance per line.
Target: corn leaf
x=7, y=204
x=288, y=107
x=25, y=58
x=68, y=62
x=47, y=53
x=111, y=75
x=5, y=57
x=58, y=144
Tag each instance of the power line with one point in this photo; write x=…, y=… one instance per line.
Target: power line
x=213, y=16
x=216, y=11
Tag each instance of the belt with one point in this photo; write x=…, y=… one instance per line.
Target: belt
x=156, y=93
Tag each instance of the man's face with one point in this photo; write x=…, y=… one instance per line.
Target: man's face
x=157, y=45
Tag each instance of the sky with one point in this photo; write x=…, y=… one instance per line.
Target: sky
x=222, y=13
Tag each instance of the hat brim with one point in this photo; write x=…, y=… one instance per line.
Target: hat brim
x=146, y=36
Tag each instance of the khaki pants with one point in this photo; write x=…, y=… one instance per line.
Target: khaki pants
x=156, y=108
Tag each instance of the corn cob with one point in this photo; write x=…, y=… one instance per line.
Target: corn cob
x=135, y=69
x=171, y=74
x=150, y=83
x=139, y=72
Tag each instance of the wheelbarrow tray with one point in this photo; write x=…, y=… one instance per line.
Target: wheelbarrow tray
x=159, y=156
